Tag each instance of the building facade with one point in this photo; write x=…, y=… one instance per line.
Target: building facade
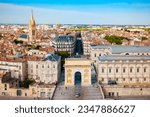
x=128, y=69
x=64, y=43
x=18, y=68
x=46, y=70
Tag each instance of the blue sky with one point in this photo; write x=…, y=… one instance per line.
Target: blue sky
x=76, y=11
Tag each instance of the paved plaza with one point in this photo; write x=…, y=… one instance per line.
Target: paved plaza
x=86, y=93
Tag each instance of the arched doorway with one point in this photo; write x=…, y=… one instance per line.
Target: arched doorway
x=77, y=78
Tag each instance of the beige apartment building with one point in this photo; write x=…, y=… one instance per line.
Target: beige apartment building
x=46, y=70
x=10, y=87
x=17, y=67
x=123, y=69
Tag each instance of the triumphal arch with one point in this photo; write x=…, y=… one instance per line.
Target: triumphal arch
x=77, y=71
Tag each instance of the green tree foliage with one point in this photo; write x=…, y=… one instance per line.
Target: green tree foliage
x=144, y=38
x=27, y=82
x=148, y=30
x=18, y=41
x=115, y=39
x=63, y=56
x=36, y=47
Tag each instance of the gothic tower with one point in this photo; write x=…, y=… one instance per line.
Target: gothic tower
x=32, y=29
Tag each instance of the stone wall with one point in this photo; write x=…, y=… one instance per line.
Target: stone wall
x=115, y=91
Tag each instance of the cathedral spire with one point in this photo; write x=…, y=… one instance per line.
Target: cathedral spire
x=32, y=21
x=32, y=28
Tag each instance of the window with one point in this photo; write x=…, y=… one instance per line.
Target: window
x=102, y=79
x=109, y=93
x=5, y=86
x=130, y=79
x=123, y=79
x=95, y=54
x=109, y=70
x=102, y=70
x=124, y=70
x=144, y=70
x=36, y=72
x=53, y=66
x=131, y=70
x=31, y=70
x=144, y=79
x=138, y=69
x=116, y=70
x=116, y=79
x=42, y=66
x=36, y=66
x=48, y=66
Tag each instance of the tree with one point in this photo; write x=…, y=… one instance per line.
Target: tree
x=148, y=30
x=36, y=47
x=144, y=38
x=18, y=41
x=27, y=82
x=115, y=39
x=63, y=56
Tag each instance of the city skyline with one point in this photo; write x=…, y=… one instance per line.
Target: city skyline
x=76, y=12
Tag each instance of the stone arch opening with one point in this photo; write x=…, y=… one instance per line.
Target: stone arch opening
x=77, y=78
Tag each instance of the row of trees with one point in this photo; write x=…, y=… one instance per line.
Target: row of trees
x=87, y=29
x=115, y=39
x=18, y=41
x=36, y=47
x=148, y=30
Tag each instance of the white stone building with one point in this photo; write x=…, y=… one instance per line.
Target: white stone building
x=123, y=69
x=16, y=67
x=46, y=70
x=64, y=43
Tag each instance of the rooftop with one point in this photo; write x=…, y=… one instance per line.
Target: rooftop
x=64, y=38
x=122, y=57
x=24, y=36
x=123, y=49
x=12, y=59
x=51, y=57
